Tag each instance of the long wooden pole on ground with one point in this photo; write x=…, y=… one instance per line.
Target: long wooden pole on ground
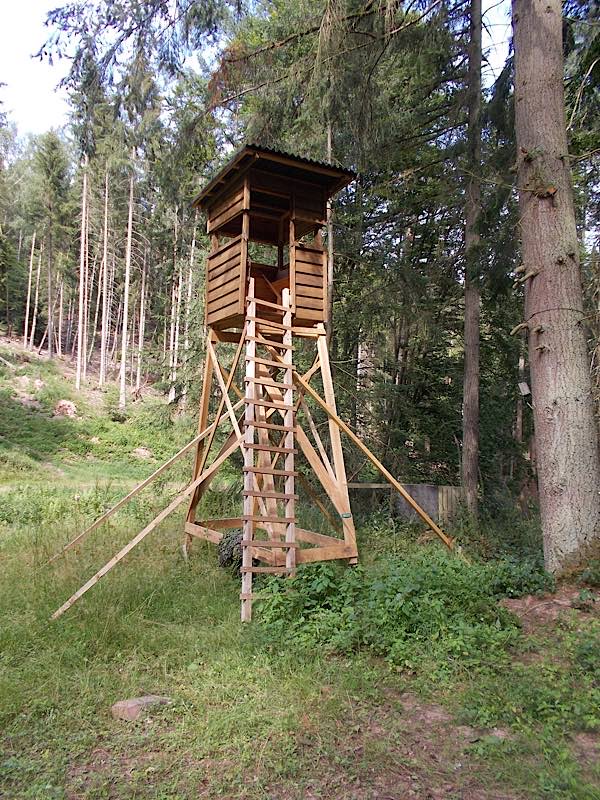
x=202, y=435
x=143, y=533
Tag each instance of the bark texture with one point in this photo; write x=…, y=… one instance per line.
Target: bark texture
x=566, y=431
x=470, y=451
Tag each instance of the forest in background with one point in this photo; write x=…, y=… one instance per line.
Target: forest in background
x=101, y=255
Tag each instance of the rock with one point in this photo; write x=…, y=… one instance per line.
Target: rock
x=131, y=709
x=143, y=453
x=95, y=440
x=39, y=384
x=65, y=408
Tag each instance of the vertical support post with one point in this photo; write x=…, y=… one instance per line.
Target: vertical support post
x=336, y=445
x=248, y=528
x=244, y=272
x=288, y=421
x=293, y=252
x=202, y=424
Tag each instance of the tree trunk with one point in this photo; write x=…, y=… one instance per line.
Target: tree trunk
x=36, y=299
x=28, y=301
x=104, y=330
x=188, y=307
x=50, y=302
x=69, y=331
x=174, y=320
x=470, y=451
x=123, y=370
x=116, y=333
x=59, y=349
x=92, y=340
x=82, y=263
x=566, y=432
x=329, y=244
x=141, y=329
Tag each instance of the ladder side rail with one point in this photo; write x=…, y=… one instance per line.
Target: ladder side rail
x=289, y=422
x=250, y=393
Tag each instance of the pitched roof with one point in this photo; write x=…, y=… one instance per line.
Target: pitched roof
x=331, y=177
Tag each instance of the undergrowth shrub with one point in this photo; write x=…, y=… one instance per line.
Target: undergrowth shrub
x=430, y=610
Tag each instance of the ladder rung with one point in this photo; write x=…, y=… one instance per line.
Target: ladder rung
x=284, y=473
x=270, y=404
x=269, y=543
x=267, y=570
x=269, y=304
x=267, y=362
x=268, y=324
x=271, y=448
x=259, y=518
x=273, y=495
x=269, y=343
x=269, y=382
x=270, y=426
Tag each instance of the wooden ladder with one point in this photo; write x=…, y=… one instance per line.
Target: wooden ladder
x=269, y=426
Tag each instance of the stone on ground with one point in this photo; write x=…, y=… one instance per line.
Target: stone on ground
x=132, y=708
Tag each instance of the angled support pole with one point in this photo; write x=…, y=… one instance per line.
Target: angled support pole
x=146, y=482
x=332, y=414
x=143, y=533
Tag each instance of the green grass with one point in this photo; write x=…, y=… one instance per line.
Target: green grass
x=308, y=701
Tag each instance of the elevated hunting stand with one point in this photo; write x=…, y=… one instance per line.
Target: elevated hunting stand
x=266, y=287
x=266, y=293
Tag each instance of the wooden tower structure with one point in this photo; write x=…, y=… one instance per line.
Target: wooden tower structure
x=266, y=314
x=266, y=292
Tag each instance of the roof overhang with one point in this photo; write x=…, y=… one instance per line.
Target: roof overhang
x=328, y=176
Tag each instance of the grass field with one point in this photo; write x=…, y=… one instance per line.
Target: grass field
x=402, y=679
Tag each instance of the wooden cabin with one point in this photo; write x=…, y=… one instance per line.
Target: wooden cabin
x=265, y=210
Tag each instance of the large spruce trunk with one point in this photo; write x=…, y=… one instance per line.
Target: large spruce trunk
x=566, y=432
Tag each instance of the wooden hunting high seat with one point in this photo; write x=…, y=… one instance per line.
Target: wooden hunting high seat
x=266, y=293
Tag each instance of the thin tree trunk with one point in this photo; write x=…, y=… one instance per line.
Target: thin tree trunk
x=470, y=452
x=179, y=291
x=96, y=313
x=36, y=299
x=43, y=339
x=82, y=263
x=122, y=376
x=28, y=301
x=566, y=433
x=113, y=351
x=174, y=304
x=111, y=300
x=188, y=306
x=69, y=330
x=59, y=349
x=88, y=289
x=104, y=331
x=50, y=302
x=141, y=329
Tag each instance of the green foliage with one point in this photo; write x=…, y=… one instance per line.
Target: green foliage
x=427, y=612
x=591, y=574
